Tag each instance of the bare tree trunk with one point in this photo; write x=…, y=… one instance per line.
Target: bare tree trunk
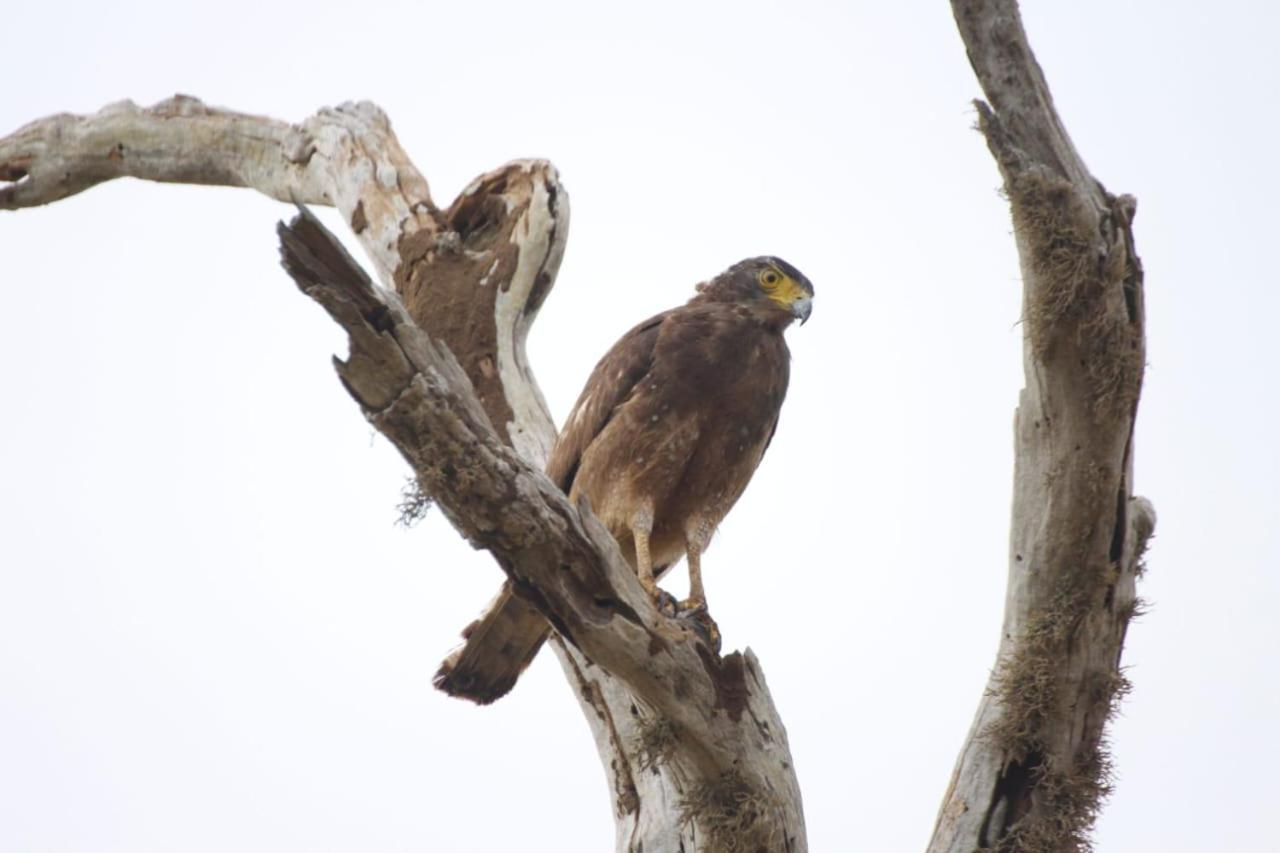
x=695, y=753
x=1035, y=769
x=692, y=746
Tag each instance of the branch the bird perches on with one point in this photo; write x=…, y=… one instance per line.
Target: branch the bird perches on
x=691, y=743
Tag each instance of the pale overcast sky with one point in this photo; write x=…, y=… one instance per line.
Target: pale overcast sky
x=212, y=635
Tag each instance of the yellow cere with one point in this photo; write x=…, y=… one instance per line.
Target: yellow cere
x=780, y=287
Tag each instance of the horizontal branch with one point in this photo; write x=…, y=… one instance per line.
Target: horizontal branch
x=346, y=157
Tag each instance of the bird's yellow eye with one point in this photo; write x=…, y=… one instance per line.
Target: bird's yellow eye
x=770, y=278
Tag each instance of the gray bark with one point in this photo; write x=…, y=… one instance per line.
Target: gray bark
x=692, y=745
x=694, y=752
x=1035, y=768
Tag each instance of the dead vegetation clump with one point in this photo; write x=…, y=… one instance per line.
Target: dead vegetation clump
x=1064, y=794
x=655, y=743
x=1079, y=271
x=1114, y=362
x=1026, y=680
x=414, y=504
x=1069, y=801
x=734, y=816
x=1050, y=221
x=1069, y=797
x=1134, y=609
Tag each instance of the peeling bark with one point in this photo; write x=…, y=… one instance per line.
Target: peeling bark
x=694, y=751
x=1035, y=769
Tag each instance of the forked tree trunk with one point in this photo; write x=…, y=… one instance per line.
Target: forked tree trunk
x=1035, y=768
x=695, y=754
x=693, y=748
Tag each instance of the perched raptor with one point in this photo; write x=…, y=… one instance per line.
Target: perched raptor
x=664, y=438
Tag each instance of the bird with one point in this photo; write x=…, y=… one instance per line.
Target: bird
x=662, y=441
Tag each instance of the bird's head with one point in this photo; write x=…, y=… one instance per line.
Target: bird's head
x=770, y=285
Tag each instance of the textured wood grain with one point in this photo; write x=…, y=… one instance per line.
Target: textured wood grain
x=634, y=667
x=1035, y=769
x=346, y=157
x=695, y=754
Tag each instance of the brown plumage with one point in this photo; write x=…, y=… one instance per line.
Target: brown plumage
x=663, y=440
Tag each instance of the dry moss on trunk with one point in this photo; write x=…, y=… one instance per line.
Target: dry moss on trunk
x=1080, y=262
x=732, y=816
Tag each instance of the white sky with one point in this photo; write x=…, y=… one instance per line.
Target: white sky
x=213, y=637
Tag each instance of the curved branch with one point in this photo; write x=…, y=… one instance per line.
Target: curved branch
x=346, y=157
x=1035, y=769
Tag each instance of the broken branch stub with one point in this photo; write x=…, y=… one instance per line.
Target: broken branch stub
x=477, y=284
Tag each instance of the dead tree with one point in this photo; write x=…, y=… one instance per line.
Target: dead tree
x=1035, y=768
x=693, y=749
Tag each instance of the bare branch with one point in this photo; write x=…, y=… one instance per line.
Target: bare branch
x=476, y=285
x=691, y=743
x=416, y=393
x=346, y=157
x=1035, y=769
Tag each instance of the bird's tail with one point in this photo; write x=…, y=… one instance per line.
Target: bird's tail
x=496, y=649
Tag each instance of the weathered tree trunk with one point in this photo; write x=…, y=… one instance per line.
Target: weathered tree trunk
x=692, y=746
x=695, y=754
x=1035, y=768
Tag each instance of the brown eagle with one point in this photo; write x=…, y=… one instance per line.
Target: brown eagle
x=663, y=440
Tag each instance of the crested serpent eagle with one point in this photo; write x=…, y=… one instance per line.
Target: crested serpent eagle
x=664, y=438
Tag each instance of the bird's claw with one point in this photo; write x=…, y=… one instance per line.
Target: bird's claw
x=695, y=614
x=692, y=606
x=665, y=602
x=691, y=612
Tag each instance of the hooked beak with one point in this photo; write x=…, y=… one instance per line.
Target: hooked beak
x=801, y=308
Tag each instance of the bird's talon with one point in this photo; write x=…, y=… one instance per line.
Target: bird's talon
x=665, y=602
x=703, y=625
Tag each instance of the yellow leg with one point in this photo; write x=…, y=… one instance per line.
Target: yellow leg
x=697, y=595
x=696, y=540
x=641, y=527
